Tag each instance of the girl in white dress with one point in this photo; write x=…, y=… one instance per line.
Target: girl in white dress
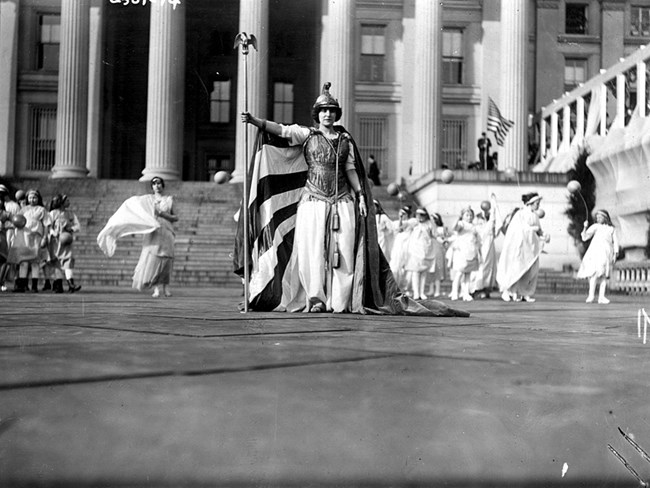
x=419, y=253
x=403, y=228
x=598, y=260
x=385, y=229
x=437, y=268
x=463, y=255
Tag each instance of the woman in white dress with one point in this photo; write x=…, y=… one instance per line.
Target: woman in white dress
x=598, y=260
x=518, y=267
x=156, y=262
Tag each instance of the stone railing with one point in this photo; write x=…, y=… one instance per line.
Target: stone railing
x=632, y=278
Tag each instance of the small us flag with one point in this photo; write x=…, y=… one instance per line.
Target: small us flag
x=497, y=123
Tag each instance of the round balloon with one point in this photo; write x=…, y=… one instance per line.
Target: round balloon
x=573, y=186
x=485, y=205
x=510, y=173
x=393, y=189
x=221, y=177
x=65, y=238
x=541, y=213
x=447, y=176
x=20, y=194
x=19, y=221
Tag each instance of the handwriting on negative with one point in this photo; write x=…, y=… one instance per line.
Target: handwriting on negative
x=173, y=3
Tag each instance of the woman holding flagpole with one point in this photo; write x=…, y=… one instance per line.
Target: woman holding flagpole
x=314, y=237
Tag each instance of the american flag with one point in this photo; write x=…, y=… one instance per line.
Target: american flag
x=497, y=123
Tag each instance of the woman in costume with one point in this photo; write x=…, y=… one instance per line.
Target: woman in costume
x=152, y=216
x=325, y=222
x=518, y=267
x=154, y=268
x=312, y=237
x=599, y=259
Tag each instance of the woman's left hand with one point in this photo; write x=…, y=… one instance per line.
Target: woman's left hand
x=363, y=209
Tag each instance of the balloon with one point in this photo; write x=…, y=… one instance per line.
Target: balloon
x=541, y=213
x=393, y=189
x=19, y=221
x=510, y=173
x=220, y=177
x=20, y=195
x=485, y=205
x=447, y=176
x=65, y=238
x=573, y=186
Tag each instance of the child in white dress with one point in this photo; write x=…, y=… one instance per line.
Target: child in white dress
x=419, y=253
x=599, y=258
x=437, y=268
x=463, y=255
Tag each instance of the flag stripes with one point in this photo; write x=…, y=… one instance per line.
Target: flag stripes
x=496, y=123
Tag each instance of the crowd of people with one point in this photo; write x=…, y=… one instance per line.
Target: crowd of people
x=423, y=251
x=36, y=242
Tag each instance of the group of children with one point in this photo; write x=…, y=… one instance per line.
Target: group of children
x=36, y=242
x=422, y=252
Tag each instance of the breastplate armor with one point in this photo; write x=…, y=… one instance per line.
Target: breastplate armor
x=320, y=155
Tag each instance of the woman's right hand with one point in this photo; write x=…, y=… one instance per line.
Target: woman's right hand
x=246, y=118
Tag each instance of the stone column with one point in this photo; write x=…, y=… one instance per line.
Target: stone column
x=427, y=116
x=253, y=20
x=72, y=98
x=337, y=56
x=166, y=92
x=513, y=102
x=8, y=76
x=95, y=70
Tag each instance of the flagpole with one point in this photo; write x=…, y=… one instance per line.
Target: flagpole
x=245, y=40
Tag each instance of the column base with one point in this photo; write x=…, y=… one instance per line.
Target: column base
x=164, y=173
x=59, y=172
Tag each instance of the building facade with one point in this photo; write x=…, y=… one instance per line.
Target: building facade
x=126, y=89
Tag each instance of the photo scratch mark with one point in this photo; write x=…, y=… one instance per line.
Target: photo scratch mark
x=627, y=465
x=646, y=320
x=565, y=468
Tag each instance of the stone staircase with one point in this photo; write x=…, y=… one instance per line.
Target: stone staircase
x=205, y=232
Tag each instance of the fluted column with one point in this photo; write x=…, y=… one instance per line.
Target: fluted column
x=427, y=117
x=253, y=20
x=8, y=60
x=95, y=70
x=513, y=101
x=337, y=55
x=166, y=92
x=72, y=98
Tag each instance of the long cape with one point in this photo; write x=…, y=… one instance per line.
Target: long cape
x=277, y=175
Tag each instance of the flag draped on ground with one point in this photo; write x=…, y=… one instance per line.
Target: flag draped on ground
x=277, y=177
x=496, y=123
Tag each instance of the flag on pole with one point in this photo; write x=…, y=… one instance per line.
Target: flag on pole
x=497, y=123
